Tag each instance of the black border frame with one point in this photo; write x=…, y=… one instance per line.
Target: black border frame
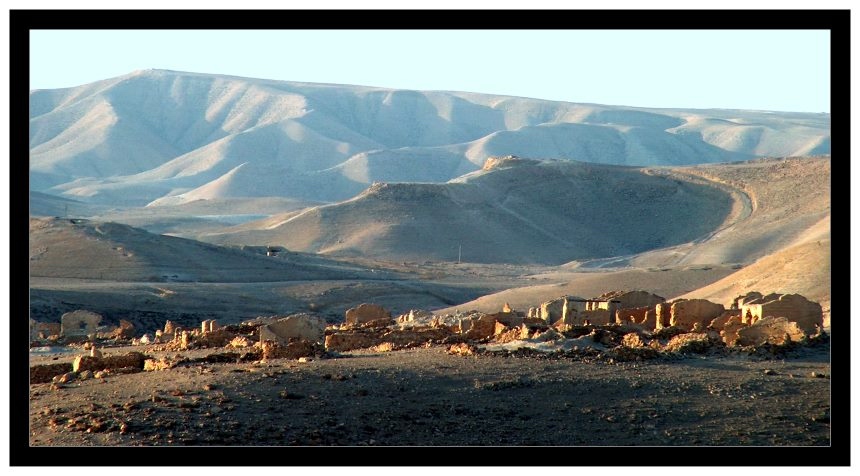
x=836, y=21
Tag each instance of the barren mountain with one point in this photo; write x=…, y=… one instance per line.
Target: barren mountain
x=778, y=230
x=170, y=137
x=513, y=211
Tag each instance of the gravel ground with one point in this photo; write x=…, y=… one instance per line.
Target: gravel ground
x=424, y=396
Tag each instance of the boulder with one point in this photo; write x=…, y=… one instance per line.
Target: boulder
x=125, y=330
x=64, y=378
x=163, y=363
x=297, y=326
x=364, y=313
x=461, y=348
x=770, y=330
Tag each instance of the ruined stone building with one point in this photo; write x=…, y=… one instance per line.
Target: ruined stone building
x=795, y=307
x=79, y=323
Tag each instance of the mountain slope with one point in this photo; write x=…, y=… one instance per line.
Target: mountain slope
x=779, y=229
x=513, y=211
x=83, y=249
x=169, y=137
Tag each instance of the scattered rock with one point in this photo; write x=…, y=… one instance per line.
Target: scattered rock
x=290, y=396
x=45, y=373
x=688, y=343
x=64, y=378
x=770, y=330
x=461, y=349
x=240, y=342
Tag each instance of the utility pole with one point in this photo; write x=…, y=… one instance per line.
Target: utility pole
x=459, y=253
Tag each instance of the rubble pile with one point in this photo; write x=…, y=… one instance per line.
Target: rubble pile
x=644, y=326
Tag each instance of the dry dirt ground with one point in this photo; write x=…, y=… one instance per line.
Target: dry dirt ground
x=425, y=396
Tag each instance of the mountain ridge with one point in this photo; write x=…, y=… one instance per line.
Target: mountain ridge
x=157, y=136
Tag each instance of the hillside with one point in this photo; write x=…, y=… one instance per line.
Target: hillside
x=513, y=211
x=167, y=137
x=778, y=230
x=83, y=249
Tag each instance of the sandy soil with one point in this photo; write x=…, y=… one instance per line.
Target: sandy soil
x=427, y=397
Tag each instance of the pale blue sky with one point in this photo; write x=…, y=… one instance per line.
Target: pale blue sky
x=783, y=70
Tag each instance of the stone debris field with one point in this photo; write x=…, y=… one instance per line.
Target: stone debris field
x=625, y=348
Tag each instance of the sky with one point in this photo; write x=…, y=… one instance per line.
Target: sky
x=779, y=70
